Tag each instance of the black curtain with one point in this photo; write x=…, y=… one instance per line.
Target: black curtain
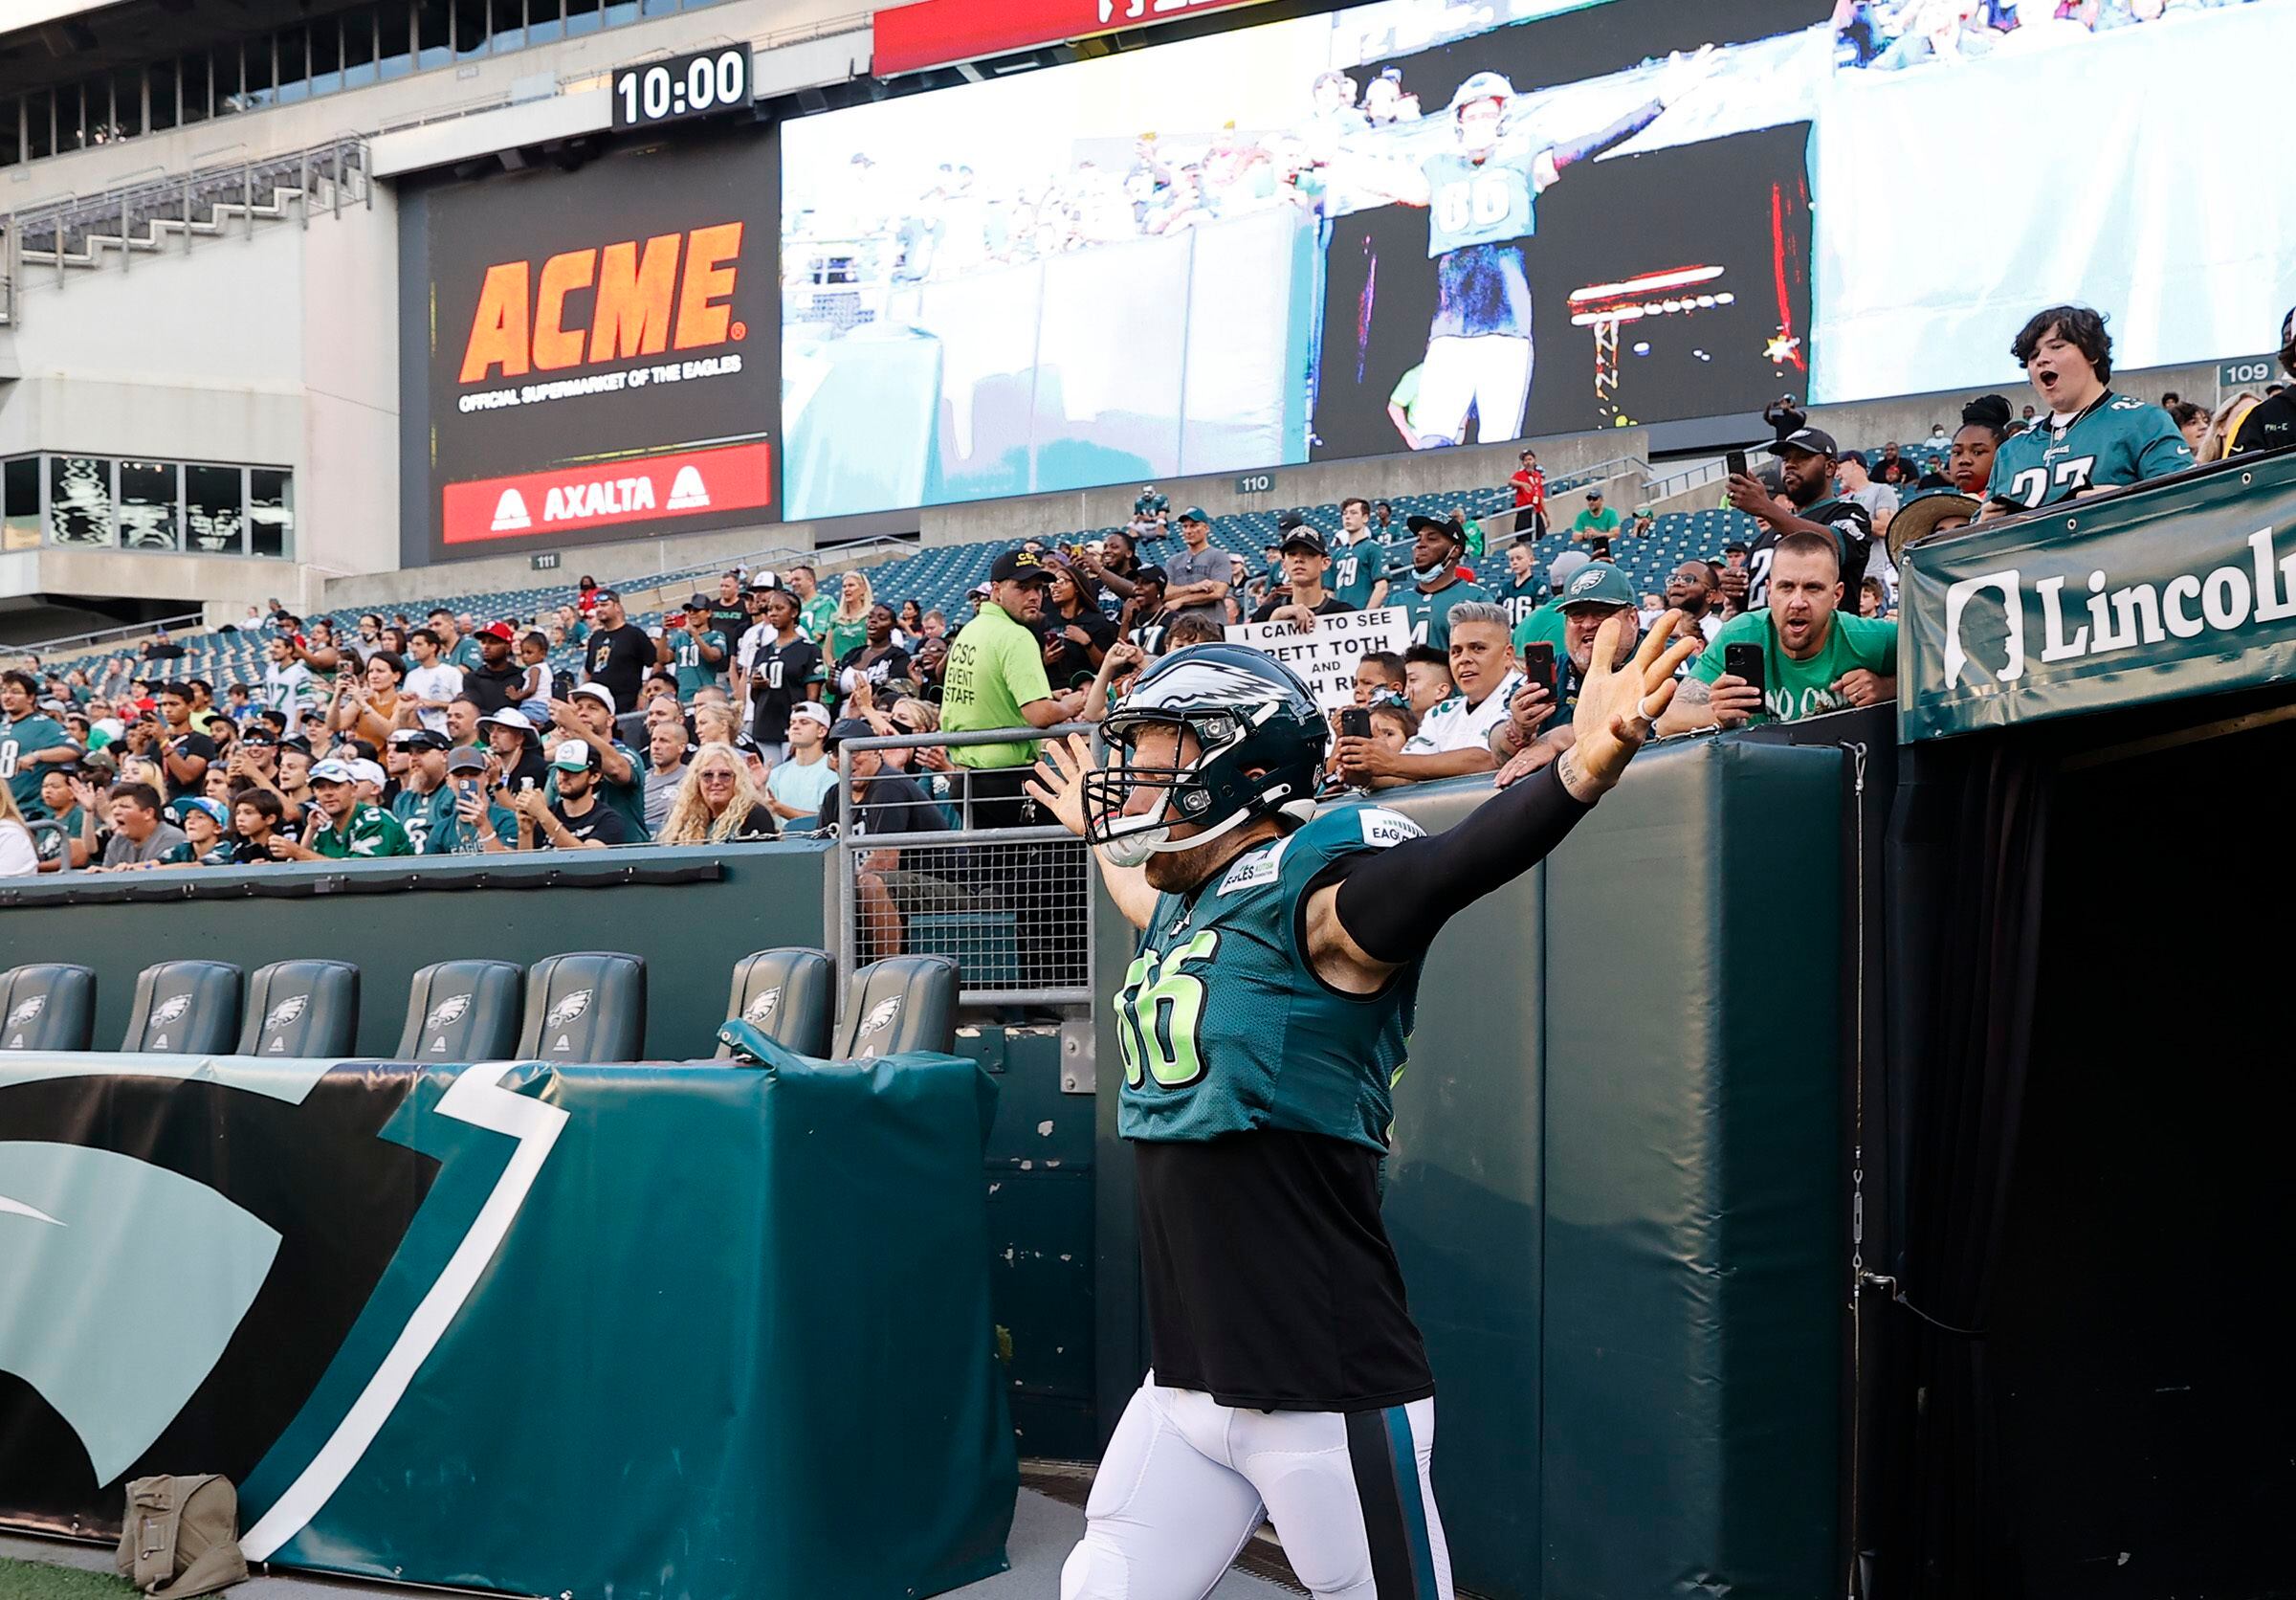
x=1970, y=848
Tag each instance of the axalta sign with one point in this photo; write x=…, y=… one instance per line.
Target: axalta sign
x=656, y=489
x=671, y=292
x=937, y=33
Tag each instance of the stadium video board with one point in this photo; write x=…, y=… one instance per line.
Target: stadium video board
x=1403, y=225
x=592, y=351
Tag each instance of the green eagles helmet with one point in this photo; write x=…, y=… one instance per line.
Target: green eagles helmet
x=1260, y=743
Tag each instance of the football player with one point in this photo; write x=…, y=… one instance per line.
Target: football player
x=1481, y=197
x=2092, y=439
x=1262, y=1020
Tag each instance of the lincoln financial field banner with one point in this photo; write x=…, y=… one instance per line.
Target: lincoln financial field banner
x=592, y=355
x=2185, y=587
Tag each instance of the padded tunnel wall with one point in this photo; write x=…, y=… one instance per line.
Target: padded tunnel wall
x=1617, y=1191
x=689, y=933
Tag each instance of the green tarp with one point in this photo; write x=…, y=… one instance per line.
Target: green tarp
x=651, y=1331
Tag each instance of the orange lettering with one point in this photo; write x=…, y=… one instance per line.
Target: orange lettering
x=554, y=345
x=703, y=315
x=499, y=329
x=632, y=316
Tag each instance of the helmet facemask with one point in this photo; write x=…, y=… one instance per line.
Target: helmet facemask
x=1210, y=793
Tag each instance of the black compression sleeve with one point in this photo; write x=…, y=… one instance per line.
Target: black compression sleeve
x=1591, y=145
x=1393, y=902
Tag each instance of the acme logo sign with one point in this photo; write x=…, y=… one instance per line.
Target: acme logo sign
x=672, y=291
x=2224, y=599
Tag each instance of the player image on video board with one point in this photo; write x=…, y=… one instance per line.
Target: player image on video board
x=1192, y=259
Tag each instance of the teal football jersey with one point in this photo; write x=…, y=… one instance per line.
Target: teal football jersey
x=20, y=739
x=1480, y=204
x=1356, y=569
x=2117, y=442
x=1521, y=599
x=1223, y=1027
x=1431, y=613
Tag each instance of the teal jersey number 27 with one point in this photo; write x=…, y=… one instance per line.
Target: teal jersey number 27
x=2116, y=442
x=1223, y=1026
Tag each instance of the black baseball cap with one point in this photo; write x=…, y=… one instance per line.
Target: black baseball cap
x=1289, y=520
x=1815, y=441
x=1305, y=538
x=416, y=739
x=1444, y=525
x=1151, y=575
x=1017, y=567
x=848, y=727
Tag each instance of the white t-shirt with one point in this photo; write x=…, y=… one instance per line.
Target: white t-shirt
x=1455, y=726
x=436, y=682
x=17, y=856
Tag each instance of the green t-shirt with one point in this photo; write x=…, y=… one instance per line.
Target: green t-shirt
x=1431, y=613
x=1793, y=690
x=369, y=831
x=21, y=738
x=1604, y=521
x=1544, y=625
x=695, y=673
x=816, y=614
x=996, y=666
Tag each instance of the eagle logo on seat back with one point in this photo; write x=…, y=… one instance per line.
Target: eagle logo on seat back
x=567, y=1009
x=26, y=1010
x=878, y=1020
x=286, y=1011
x=169, y=1008
x=447, y=1010
x=760, y=1011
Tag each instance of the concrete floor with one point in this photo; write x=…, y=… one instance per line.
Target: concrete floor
x=1042, y=1532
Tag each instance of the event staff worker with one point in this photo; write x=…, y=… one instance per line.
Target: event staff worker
x=1436, y=586
x=619, y=656
x=1807, y=465
x=1264, y=1024
x=2092, y=439
x=1816, y=656
x=1302, y=598
x=996, y=679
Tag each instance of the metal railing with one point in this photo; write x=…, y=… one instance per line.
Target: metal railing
x=76, y=231
x=1006, y=892
x=79, y=644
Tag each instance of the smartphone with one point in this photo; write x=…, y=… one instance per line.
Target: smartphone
x=1735, y=460
x=1744, y=662
x=1539, y=665
x=1355, y=722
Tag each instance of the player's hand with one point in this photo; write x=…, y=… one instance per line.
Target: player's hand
x=1617, y=705
x=1058, y=782
x=1682, y=74
x=1862, y=688
x=1732, y=700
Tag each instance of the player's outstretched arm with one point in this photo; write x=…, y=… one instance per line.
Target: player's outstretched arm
x=1384, y=908
x=1058, y=786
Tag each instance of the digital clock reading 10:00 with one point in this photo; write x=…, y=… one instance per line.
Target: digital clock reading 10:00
x=685, y=86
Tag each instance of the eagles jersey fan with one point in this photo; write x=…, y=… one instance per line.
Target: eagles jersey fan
x=1853, y=533
x=1356, y=569
x=2116, y=441
x=1430, y=613
x=1520, y=598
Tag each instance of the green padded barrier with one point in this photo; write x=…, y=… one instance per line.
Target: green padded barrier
x=524, y=908
x=1616, y=1190
x=1040, y=1221
x=658, y=1332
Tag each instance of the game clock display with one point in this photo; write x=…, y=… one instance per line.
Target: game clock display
x=697, y=86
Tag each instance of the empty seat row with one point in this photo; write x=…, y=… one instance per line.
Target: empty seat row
x=587, y=1007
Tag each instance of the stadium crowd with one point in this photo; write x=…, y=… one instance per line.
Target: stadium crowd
x=450, y=735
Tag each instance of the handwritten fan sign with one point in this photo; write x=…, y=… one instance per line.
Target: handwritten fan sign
x=1326, y=654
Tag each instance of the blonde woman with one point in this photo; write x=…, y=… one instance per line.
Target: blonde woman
x=848, y=624
x=2225, y=426
x=18, y=859
x=718, y=801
